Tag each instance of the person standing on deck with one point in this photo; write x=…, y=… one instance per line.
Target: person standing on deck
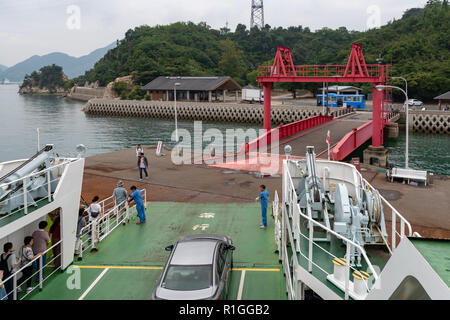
x=27, y=257
x=264, y=200
x=8, y=263
x=40, y=241
x=55, y=231
x=81, y=223
x=143, y=165
x=120, y=195
x=95, y=213
x=139, y=150
x=140, y=208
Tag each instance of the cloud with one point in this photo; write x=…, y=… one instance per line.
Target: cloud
x=31, y=27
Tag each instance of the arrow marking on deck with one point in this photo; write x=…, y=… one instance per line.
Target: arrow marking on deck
x=93, y=284
x=201, y=226
x=241, y=285
x=207, y=215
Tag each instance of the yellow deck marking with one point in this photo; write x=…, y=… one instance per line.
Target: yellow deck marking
x=118, y=267
x=160, y=268
x=255, y=269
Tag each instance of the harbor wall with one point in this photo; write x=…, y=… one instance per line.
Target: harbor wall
x=427, y=121
x=86, y=93
x=227, y=112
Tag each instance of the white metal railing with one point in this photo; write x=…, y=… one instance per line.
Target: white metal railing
x=40, y=273
x=277, y=222
x=395, y=215
x=111, y=217
x=296, y=215
x=26, y=182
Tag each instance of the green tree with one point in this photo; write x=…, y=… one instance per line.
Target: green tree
x=231, y=63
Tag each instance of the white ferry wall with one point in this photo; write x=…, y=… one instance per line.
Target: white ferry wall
x=407, y=261
x=66, y=197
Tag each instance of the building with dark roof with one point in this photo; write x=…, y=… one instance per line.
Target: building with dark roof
x=191, y=88
x=443, y=98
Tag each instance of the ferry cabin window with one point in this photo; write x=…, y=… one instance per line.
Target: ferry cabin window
x=410, y=289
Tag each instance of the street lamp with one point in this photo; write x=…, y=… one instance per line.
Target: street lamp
x=406, y=84
x=175, y=106
x=381, y=88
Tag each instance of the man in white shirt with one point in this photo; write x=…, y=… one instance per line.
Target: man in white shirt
x=139, y=150
x=95, y=212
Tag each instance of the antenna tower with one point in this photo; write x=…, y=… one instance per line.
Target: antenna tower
x=257, y=18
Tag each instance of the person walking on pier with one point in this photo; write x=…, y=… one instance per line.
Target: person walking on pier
x=139, y=150
x=140, y=208
x=264, y=200
x=143, y=165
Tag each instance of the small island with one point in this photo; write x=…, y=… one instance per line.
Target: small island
x=48, y=80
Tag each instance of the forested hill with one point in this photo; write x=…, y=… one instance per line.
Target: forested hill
x=418, y=47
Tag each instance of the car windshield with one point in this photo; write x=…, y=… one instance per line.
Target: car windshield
x=188, y=278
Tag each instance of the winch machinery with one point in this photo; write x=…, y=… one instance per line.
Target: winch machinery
x=360, y=218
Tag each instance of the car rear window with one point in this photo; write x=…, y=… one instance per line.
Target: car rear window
x=188, y=278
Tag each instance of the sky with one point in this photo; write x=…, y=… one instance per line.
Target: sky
x=77, y=27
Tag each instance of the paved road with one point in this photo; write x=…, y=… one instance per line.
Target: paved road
x=316, y=136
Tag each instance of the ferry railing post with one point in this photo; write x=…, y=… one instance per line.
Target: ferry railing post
x=310, y=249
x=93, y=234
x=41, y=270
x=347, y=269
x=15, y=286
x=108, y=222
x=394, y=225
x=24, y=187
x=49, y=186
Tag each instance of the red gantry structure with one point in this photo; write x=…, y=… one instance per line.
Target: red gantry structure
x=356, y=70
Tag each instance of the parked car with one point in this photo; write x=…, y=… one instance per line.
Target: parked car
x=414, y=103
x=198, y=268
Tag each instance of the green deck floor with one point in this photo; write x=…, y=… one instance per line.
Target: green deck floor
x=134, y=254
x=21, y=212
x=437, y=254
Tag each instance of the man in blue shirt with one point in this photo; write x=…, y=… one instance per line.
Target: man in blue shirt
x=264, y=200
x=137, y=197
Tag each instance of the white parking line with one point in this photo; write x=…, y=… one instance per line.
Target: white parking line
x=93, y=284
x=241, y=285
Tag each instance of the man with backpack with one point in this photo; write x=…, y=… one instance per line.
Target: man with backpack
x=27, y=257
x=8, y=263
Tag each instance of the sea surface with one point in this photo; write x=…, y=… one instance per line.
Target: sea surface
x=62, y=123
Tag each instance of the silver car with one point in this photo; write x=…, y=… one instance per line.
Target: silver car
x=198, y=269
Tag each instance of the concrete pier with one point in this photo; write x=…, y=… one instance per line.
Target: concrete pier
x=227, y=112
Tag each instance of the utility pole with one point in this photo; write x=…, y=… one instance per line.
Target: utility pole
x=257, y=18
